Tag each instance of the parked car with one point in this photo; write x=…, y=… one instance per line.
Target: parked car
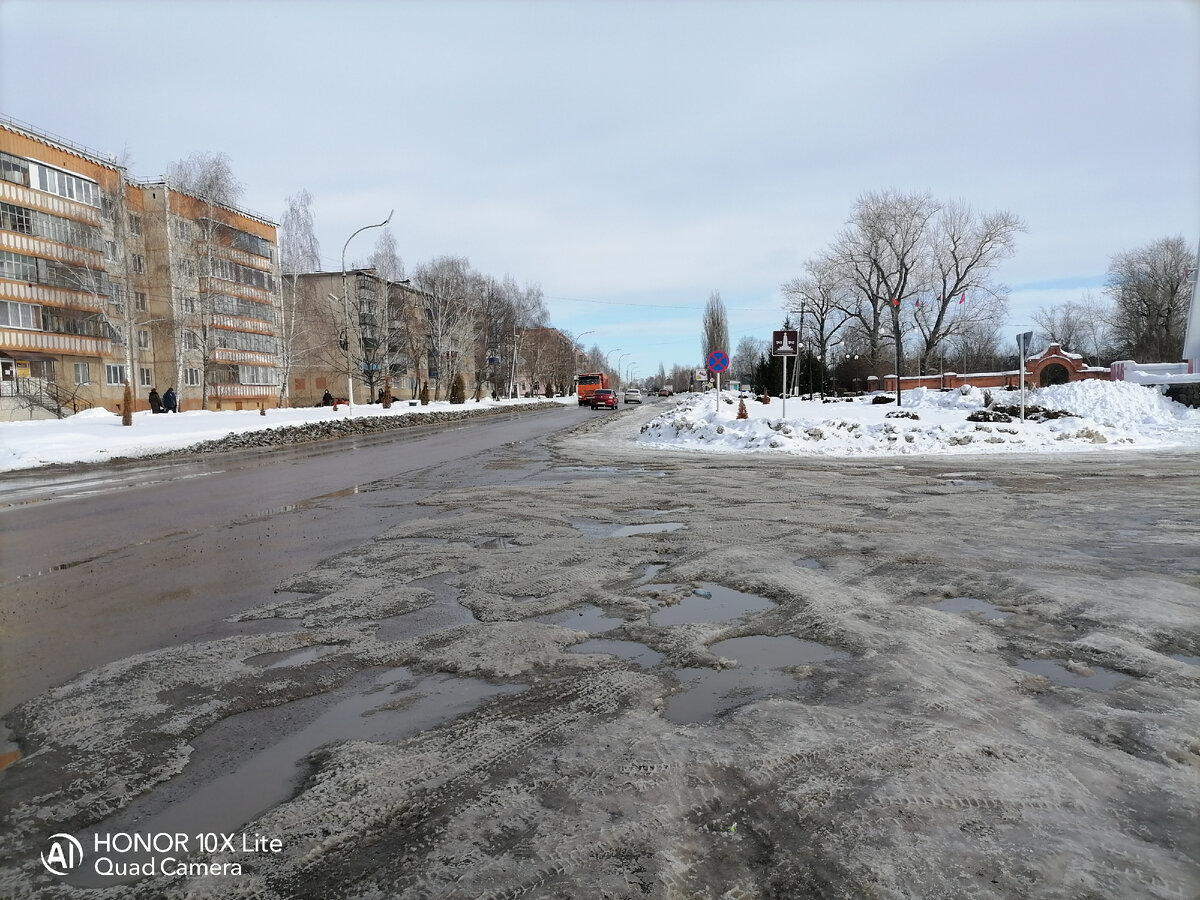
x=665, y=393
x=604, y=397
x=633, y=395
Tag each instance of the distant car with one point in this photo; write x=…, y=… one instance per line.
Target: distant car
x=665, y=393
x=604, y=397
x=633, y=395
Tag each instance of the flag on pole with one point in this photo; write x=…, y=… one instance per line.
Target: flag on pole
x=895, y=301
x=963, y=298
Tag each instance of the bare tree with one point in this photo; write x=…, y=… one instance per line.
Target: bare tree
x=883, y=254
x=821, y=298
x=965, y=250
x=208, y=178
x=1151, y=289
x=716, y=326
x=445, y=282
x=744, y=360
x=300, y=253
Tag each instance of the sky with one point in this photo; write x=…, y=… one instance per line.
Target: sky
x=1106, y=416
x=631, y=158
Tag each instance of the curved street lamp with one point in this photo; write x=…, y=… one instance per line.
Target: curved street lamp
x=607, y=364
x=346, y=314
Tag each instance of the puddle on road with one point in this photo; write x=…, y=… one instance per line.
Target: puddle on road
x=299, y=656
x=499, y=542
x=388, y=706
x=969, y=606
x=445, y=612
x=589, y=618
x=590, y=528
x=631, y=651
x=763, y=662
x=809, y=563
x=708, y=603
x=1101, y=679
x=1184, y=658
x=648, y=571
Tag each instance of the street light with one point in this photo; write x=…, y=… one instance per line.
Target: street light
x=607, y=364
x=621, y=359
x=346, y=314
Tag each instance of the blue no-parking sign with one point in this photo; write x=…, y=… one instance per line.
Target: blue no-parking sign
x=718, y=361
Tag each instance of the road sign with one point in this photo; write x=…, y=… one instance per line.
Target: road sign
x=700, y=376
x=785, y=343
x=1024, y=339
x=717, y=361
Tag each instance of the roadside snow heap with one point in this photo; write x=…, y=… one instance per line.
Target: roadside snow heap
x=1083, y=415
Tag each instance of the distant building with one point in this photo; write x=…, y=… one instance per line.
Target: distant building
x=105, y=280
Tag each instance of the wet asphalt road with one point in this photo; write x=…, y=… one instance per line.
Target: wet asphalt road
x=99, y=562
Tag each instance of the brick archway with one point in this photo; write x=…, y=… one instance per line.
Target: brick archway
x=1053, y=373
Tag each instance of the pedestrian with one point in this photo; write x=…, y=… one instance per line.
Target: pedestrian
x=155, y=401
x=327, y=400
x=170, y=404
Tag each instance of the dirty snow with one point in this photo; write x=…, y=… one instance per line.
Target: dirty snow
x=1104, y=414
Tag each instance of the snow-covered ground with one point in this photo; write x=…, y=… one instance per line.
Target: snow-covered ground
x=1104, y=415
x=97, y=435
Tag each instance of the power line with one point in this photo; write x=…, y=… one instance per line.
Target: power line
x=657, y=305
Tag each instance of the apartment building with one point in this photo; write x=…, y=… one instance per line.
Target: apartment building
x=105, y=280
x=357, y=322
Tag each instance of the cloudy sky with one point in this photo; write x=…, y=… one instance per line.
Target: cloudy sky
x=632, y=157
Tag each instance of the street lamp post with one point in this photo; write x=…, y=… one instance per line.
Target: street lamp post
x=346, y=314
x=621, y=359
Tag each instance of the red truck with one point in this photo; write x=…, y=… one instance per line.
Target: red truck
x=588, y=384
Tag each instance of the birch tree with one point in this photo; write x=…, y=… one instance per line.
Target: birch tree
x=209, y=178
x=716, y=326
x=299, y=253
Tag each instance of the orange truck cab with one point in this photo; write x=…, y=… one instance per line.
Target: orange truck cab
x=587, y=385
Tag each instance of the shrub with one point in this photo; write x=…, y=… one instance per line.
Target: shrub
x=458, y=390
x=986, y=415
x=741, y=413
x=424, y=395
x=883, y=398
x=901, y=414
x=987, y=398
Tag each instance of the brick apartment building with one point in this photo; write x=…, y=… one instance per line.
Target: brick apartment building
x=104, y=280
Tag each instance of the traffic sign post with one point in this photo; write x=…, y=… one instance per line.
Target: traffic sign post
x=785, y=344
x=1023, y=340
x=718, y=362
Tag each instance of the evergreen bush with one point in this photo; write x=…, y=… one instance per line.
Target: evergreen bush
x=424, y=395
x=458, y=390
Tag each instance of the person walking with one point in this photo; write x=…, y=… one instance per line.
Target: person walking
x=155, y=401
x=169, y=402
x=327, y=399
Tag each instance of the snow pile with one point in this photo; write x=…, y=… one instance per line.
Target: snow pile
x=1103, y=414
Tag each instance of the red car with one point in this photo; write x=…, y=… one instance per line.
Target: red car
x=604, y=397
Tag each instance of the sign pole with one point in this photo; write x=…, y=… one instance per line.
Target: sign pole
x=1023, y=344
x=784, y=387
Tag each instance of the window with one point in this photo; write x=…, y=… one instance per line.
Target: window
x=110, y=249
x=16, y=218
x=14, y=169
x=135, y=223
x=64, y=184
x=20, y=315
x=297, y=384
x=145, y=377
x=83, y=373
x=256, y=375
x=191, y=340
x=191, y=377
x=143, y=339
x=139, y=264
x=139, y=301
x=18, y=266
x=114, y=374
